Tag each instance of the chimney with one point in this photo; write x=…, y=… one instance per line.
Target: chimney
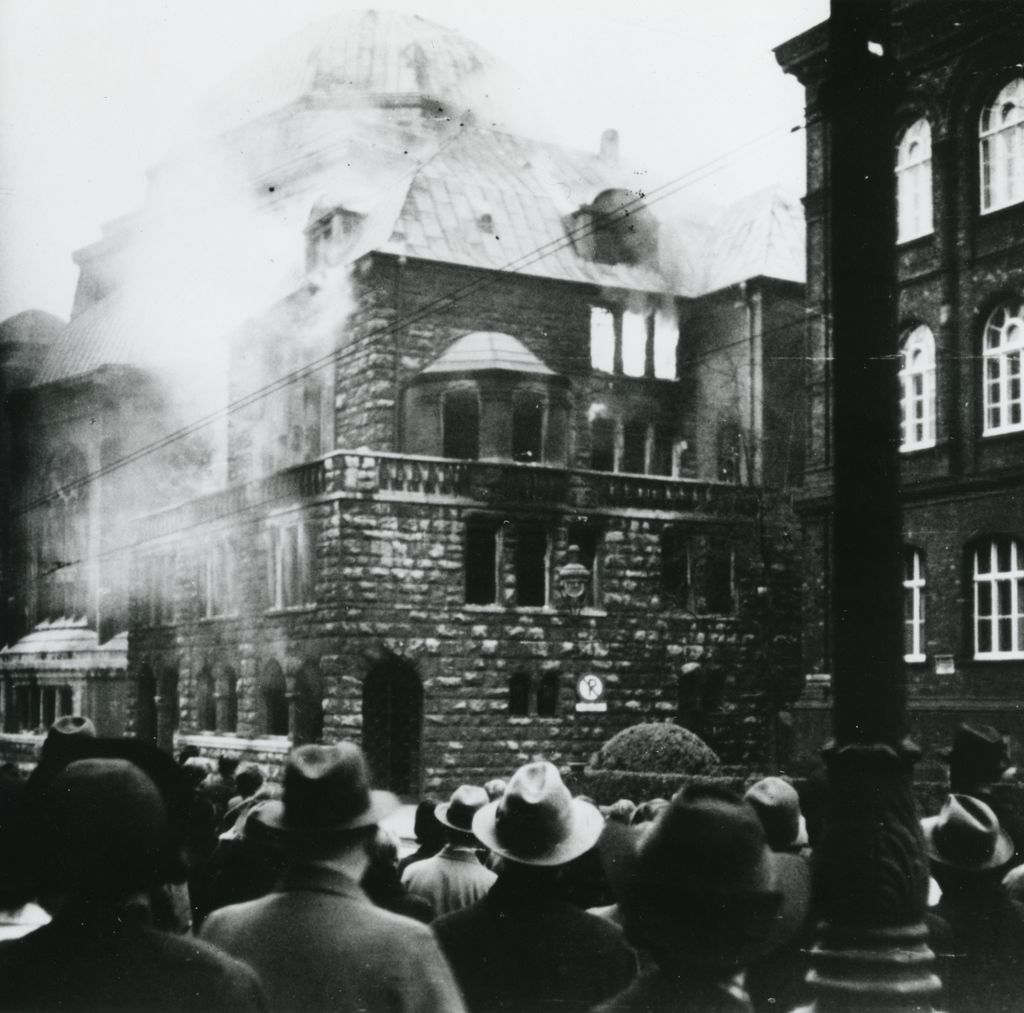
x=610, y=147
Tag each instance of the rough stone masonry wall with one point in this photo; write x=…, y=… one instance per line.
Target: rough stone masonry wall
x=391, y=583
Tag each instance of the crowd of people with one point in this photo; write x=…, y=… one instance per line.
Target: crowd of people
x=136, y=880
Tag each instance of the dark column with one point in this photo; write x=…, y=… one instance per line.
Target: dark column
x=871, y=878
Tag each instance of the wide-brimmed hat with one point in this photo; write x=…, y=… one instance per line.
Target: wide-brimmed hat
x=701, y=885
x=102, y=829
x=327, y=791
x=537, y=821
x=458, y=812
x=778, y=806
x=978, y=754
x=966, y=835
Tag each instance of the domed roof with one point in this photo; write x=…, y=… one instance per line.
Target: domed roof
x=368, y=57
x=486, y=350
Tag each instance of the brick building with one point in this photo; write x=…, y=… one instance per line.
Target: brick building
x=959, y=182
x=479, y=350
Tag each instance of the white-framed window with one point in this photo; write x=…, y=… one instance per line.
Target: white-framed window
x=602, y=339
x=914, y=182
x=630, y=341
x=1001, y=137
x=913, y=605
x=917, y=390
x=291, y=573
x=998, y=598
x=1001, y=357
x=217, y=579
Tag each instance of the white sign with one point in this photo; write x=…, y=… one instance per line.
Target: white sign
x=590, y=688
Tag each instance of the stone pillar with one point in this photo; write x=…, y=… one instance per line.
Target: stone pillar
x=871, y=874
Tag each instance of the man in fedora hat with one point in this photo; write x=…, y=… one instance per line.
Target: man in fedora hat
x=100, y=835
x=454, y=878
x=318, y=943
x=975, y=929
x=704, y=896
x=522, y=947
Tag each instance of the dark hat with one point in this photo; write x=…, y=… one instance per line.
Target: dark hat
x=103, y=830
x=537, y=821
x=702, y=884
x=978, y=754
x=966, y=835
x=326, y=791
x=778, y=806
x=458, y=813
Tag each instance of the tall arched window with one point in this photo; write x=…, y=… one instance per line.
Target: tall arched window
x=998, y=570
x=913, y=605
x=917, y=390
x=274, y=700
x=1001, y=136
x=206, y=701
x=1002, y=354
x=914, y=182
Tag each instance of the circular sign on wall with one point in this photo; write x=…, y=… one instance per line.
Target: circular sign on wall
x=590, y=688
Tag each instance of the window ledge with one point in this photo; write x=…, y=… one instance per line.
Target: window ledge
x=1016, y=656
x=289, y=610
x=915, y=659
x=1015, y=430
x=910, y=242
x=480, y=607
x=916, y=448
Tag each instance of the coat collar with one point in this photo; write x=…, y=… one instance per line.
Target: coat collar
x=458, y=853
x=317, y=878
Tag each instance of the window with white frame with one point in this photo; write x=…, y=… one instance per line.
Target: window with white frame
x=1001, y=137
x=291, y=574
x=1001, y=357
x=913, y=605
x=917, y=390
x=998, y=567
x=914, y=182
x=602, y=339
x=634, y=343
x=217, y=579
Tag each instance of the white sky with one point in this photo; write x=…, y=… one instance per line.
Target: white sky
x=92, y=90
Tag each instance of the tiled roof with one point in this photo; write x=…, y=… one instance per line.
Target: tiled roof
x=487, y=350
x=64, y=644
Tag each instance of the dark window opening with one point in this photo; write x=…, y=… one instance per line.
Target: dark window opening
x=661, y=451
x=206, y=702
x=461, y=425
x=675, y=568
x=634, y=446
x=227, y=701
x=602, y=444
x=531, y=565
x=275, y=700
x=481, y=564
x=528, y=428
x=713, y=577
x=519, y=687
x=729, y=450
x=587, y=538
x=547, y=696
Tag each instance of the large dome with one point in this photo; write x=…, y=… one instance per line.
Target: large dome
x=364, y=58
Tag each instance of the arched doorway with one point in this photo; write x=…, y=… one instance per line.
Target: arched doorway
x=392, y=726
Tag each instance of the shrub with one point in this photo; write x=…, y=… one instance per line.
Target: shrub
x=656, y=749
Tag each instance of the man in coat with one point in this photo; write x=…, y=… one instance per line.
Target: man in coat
x=99, y=836
x=522, y=947
x=455, y=877
x=318, y=943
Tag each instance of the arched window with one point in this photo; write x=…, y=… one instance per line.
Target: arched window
x=917, y=390
x=226, y=682
x=206, y=701
x=274, y=700
x=1001, y=137
x=519, y=694
x=913, y=605
x=914, y=182
x=461, y=424
x=998, y=569
x=1002, y=354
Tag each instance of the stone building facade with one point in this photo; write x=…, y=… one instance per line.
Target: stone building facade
x=479, y=349
x=957, y=134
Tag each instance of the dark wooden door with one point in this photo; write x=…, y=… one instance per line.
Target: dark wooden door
x=392, y=727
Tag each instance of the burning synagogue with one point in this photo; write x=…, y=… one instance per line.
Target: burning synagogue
x=501, y=452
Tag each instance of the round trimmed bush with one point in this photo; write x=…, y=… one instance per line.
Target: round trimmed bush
x=655, y=748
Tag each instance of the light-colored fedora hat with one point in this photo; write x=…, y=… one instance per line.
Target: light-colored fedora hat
x=537, y=821
x=458, y=812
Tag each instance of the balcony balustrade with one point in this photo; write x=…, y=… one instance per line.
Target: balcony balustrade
x=408, y=478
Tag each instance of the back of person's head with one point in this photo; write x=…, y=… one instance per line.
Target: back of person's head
x=648, y=811
x=198, y=769
x=248, y=780
x=101, y=830
x=620, y=811
x=428, y=831
x=187, y=752
x=383, y=847
x=226, y=766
